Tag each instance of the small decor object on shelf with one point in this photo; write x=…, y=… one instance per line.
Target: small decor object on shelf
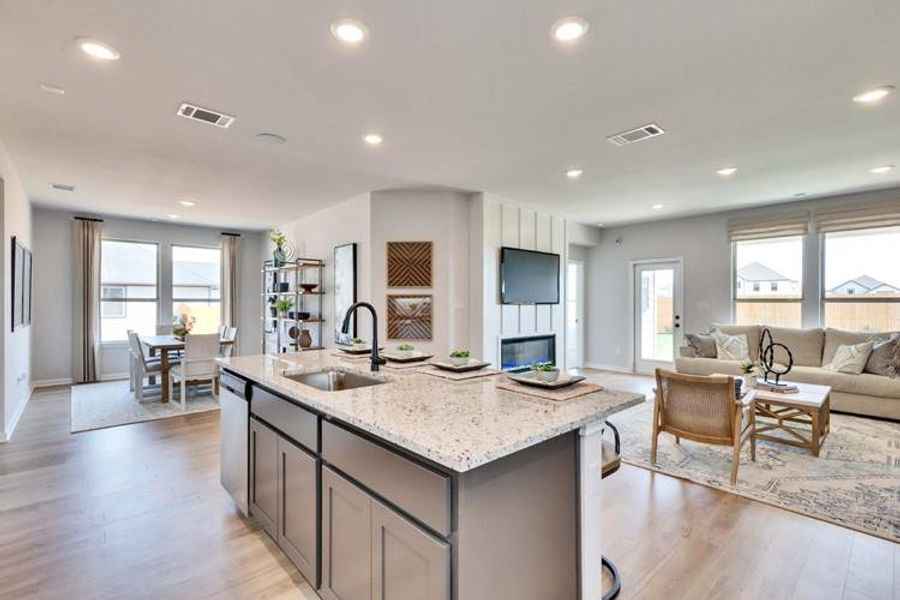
x=545, y=371
x=283, y=249
x=748, y=368
x=182, y=325
x=459, y=357
x=767, y=359
x=305, y=340
x=357, y=341
x=284, y=305
x=308, y=288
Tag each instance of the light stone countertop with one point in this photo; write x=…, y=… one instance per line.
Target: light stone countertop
x=460, y=425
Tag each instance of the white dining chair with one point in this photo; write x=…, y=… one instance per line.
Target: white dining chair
x=222, y=330
x=229, y=335
x=198, y=365
x=142, y=366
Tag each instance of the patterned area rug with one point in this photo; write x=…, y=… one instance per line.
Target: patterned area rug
x=855, y=481
x=109, y=404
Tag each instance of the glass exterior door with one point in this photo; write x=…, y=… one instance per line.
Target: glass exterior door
x=657, y=298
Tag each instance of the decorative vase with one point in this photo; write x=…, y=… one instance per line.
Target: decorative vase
x=548, y=376
x=305, y=339
x=458, y=361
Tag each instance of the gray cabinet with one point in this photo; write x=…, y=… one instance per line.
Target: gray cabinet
x=369, y=552
x=297, y=512
x=407, y=563
x=264, y=476
x=346, y=539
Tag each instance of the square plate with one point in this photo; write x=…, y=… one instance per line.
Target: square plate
x=473, y=365
x=414, y=356
x=528, y=378
x=360, y=349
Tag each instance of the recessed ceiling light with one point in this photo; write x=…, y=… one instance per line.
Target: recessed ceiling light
x=187, y=203
x=173, y=216
x=52, y=89
x=349, y=31
x=873, y=95
x=657, y=206
x=727, y=171
x=599, y=225
x=574, y=173
x=63, y=187
x=97, y=49
x=569, y=29
x=373, y=139
x=881, y=169
x=270, y=138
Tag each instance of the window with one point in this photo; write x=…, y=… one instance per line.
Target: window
x=128, y=289
x=862, y=264
x=195, y=286
x=768, y=286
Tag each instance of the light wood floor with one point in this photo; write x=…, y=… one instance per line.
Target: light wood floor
x=137, y=512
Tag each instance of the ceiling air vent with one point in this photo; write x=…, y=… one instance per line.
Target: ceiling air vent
x=205, y=115
x=636, y=135
x=63, y=187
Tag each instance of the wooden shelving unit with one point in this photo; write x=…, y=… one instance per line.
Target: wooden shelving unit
x=276, y=338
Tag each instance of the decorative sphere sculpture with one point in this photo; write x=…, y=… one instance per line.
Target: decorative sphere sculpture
x=767, y=358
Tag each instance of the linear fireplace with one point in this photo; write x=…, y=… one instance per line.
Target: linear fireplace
x=517, y=353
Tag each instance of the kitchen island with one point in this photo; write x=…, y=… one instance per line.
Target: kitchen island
x=418, y=487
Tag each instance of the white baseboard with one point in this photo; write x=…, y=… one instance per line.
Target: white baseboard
x=6, y=435
x=44, y=383
x=613, y=368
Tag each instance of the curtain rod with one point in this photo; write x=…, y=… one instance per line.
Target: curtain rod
x=231, y=234
x=88, y=219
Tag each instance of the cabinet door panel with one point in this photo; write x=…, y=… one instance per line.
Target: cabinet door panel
x=408, y=563
x=264, y=476
x=346, y=540
x=297, y=515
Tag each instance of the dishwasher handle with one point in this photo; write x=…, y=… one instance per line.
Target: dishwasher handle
x=234, y=384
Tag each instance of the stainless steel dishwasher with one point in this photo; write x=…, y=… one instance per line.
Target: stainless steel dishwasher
x=235, y=420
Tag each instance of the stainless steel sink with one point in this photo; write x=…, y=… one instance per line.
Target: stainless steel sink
x=334, y=380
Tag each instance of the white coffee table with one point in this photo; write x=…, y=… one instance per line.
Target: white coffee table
x=800, y=419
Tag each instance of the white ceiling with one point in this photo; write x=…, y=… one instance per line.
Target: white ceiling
x=470, y=94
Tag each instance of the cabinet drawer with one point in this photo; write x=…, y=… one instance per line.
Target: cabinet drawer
x=421, y=492
x=297, y=423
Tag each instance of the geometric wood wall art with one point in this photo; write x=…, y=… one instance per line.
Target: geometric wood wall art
x=409, y=317
x=409, y=264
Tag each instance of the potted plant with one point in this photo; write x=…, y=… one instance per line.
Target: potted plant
x=357, y=341
x=405, y=350
x=282, y=250
x=283, y=305
x=749, y=369
x=182, y=325
x=545, y=371
x=459, y=357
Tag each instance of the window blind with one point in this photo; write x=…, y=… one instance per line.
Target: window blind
x=864, y=216
x=768, y=226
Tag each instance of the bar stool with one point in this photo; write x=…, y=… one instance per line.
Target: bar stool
x=612, y=460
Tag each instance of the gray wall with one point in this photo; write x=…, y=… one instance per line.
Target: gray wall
x=51, y=350
x=702, y=242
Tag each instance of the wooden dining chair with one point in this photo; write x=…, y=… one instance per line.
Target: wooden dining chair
x=141, y=366
x=702, y=409
x=198, y=365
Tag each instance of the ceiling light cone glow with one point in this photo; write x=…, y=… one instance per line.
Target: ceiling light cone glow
x=97, y=49
x=873, y=95
x=52, y=89
x=373, y=139
x=657, y=206
x=187, y=203
x=173, y=216
x=727, y=171
x=574, y=173
x=881, y=169
x=349, y=31
x=569, y=29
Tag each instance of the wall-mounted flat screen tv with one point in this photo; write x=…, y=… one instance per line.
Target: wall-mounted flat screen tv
x=528, y=277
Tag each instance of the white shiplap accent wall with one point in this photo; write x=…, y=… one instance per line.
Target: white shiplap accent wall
x=503, y=222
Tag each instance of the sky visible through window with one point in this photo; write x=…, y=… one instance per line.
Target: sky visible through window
x=852, y=254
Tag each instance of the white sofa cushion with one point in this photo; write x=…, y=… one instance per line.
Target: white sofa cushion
x=731, y=347
x=751, y=331
x=850, y=359
x=839, y=337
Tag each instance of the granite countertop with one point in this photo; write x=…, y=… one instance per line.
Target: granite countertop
x=460, y=425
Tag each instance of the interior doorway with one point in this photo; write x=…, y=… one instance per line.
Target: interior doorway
x=575, y=297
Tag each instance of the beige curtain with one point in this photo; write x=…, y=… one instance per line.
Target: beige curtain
x=229, y=278
x=86, y=333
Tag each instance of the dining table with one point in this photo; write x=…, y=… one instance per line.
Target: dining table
x=162, y=346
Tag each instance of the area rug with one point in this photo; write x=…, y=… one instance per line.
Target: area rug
x=855, y=481
x=109, y=404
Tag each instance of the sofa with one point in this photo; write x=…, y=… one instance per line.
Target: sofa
x=865, y=394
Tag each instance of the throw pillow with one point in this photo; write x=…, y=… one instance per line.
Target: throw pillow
x=731, y=347
x=850, y=359
x=885, y=357
x=703, y=344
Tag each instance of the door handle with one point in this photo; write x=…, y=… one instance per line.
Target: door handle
x=677, y=325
